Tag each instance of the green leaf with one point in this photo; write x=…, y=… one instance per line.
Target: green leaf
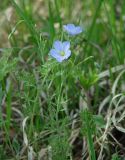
x=99, y=121
x=115, y=157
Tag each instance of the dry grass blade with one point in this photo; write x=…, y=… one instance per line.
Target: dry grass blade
x=24, y=132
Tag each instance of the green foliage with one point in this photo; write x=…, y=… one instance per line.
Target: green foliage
x=99, y=121
x=89, y=129
x=88, y=80
x=88, y=122
x=7, y=64
x=115, y=157
x=1, y=95
x=60, y=146
x=2, y=153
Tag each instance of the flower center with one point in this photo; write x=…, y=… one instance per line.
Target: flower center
x=62, y=53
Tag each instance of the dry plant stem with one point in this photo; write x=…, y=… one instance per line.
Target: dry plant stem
x=104, y=136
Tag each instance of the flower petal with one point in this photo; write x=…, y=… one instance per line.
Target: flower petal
x=58, y=45
x=68, y=54
x=71, y=26
x=54, y=54
x=60, y=59
x=66, y=45
x=78, y=30
x=72, y=29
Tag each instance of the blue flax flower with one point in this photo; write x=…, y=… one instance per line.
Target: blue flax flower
x=60, y=50
x=71, y=29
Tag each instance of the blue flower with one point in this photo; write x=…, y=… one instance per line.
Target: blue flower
x=71, y=29
x=60, y=50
